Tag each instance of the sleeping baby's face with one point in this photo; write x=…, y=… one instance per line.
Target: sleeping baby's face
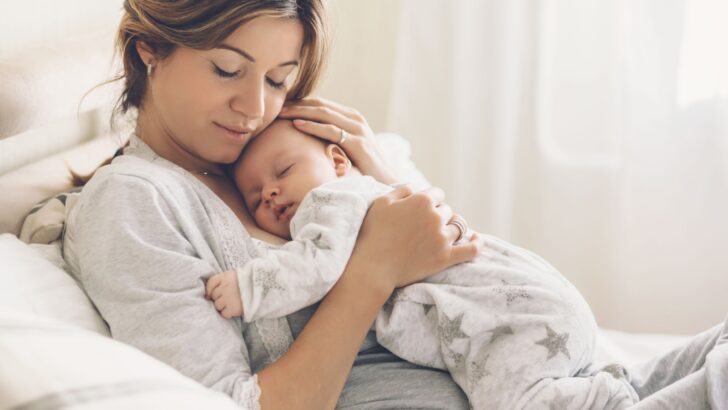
x=279, y=167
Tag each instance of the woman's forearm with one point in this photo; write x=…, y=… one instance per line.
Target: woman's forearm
x=312, y=373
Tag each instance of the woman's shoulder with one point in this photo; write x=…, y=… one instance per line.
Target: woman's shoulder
x=135, y=176
x=132, y=186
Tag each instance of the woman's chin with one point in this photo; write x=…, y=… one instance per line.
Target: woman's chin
x=228, y=157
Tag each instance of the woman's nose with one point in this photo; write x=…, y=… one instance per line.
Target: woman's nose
x=250, y=100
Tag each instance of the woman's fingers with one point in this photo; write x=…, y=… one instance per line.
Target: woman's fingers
x=401, y=192
x=466, y=251
x=322, y=102
x=324, y=115
x=436, y=194
x=452, y=232
x=327, y=132
x=445, y=212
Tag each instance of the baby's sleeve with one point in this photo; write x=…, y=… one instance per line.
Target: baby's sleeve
x=301, y=272
x=144, y=276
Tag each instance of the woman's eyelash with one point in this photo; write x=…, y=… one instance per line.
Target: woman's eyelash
x=224, y=74
x=275, y=84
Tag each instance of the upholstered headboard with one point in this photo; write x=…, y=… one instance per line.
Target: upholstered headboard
x=51, y=54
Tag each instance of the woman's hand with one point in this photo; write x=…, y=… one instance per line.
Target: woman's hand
x=406, y=237
x=326, y=120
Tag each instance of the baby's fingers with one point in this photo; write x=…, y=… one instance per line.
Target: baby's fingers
x=216, y=293
x=220, y=304
x=211, y=284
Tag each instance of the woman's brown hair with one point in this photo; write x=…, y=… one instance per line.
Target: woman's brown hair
x=164, y=25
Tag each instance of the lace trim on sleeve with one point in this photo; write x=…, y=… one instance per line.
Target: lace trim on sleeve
x=276, y=336
x=250, y=397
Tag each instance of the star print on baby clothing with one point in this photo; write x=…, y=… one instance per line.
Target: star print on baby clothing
x=616, y=370
x=477, y=371
x=319, y=242
x=555, y=343
x=399, y=295
x=512, y=292
x=456, y=357
x=266, y=279
x=451, y=329
x=427, y=308
x=500, y=332
x=318, y=201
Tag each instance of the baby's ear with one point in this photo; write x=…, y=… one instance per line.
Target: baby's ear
x=339, y=159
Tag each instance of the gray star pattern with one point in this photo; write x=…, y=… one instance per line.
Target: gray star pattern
x=427, y=308
x=559, y=402
x=616, y=370
x=400, y=296
x=319, y=242
x=450, y=329
x=456, y=357
x=318, y=200
x=499, y=332
x=477, y=372
x=512, y=293
x=555, y=343
x=266, y=279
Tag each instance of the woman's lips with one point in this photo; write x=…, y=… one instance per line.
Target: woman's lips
x=237, y=134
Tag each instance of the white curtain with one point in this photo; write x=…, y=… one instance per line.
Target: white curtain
x=592, y=132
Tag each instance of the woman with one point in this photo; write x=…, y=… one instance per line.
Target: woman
x=204, y=78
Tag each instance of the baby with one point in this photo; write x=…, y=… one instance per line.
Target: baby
x=511, y=330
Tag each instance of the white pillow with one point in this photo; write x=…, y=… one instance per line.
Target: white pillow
x=49, y=364
x=33, y=281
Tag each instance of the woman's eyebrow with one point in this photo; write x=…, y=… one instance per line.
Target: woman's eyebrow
x=249, y=57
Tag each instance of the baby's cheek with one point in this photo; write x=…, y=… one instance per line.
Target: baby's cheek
x=265, y=220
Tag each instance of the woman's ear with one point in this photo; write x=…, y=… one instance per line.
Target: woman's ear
x=338, y=157
x=145, y=52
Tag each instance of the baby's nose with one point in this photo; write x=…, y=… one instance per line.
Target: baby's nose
x=270, y=192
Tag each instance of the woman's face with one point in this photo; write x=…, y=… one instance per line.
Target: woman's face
x=211, y=102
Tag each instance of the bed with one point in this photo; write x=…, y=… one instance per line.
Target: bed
x=55, y=349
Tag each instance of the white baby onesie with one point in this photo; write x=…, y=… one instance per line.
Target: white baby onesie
x=511, y=330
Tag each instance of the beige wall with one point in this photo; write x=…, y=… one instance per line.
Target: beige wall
x=360, y=68
x=44, y=22
x=361, y=65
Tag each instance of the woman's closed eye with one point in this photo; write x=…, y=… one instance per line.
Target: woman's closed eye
x=224, y=74
x=233, y=74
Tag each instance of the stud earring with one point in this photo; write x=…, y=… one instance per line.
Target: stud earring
x=149, y=70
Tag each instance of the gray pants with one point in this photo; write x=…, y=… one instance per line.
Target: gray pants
x=689, y=377
x=693, y=376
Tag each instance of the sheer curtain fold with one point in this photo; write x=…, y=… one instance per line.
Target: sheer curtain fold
x=585, y=132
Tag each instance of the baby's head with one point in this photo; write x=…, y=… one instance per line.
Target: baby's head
x=279, y=167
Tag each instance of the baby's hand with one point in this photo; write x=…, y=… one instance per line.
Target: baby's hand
x=223, y=289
